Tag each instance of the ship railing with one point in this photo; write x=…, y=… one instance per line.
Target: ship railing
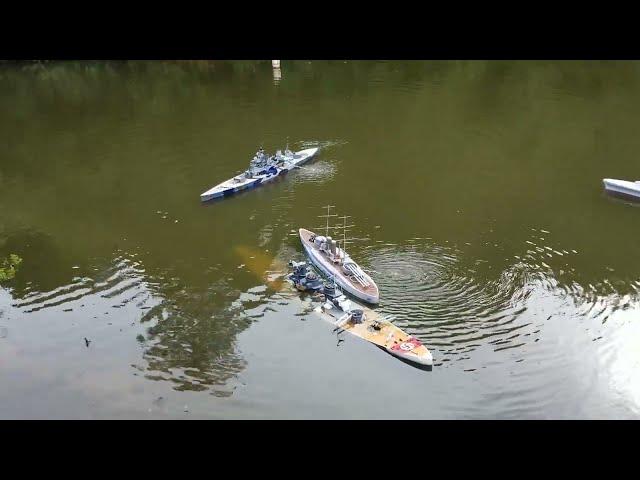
x=357, y=274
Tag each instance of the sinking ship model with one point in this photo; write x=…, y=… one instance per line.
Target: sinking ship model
x=359, y=320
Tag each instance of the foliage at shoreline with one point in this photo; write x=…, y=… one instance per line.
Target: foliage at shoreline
x=9, y=266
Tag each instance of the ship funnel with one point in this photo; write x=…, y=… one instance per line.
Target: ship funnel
x=329, y=290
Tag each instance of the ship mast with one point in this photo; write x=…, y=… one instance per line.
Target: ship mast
x=344, y=232
x=328, y=207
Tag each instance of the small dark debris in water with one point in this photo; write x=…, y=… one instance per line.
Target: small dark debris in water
x=549, y=317
x=87, y=342
x=536, y=339
x=109, y=323
x=518, y=361
x=68, y=310
x=470, y=370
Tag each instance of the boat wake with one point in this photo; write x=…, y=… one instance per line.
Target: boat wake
x=318, y=172
x=322, y=144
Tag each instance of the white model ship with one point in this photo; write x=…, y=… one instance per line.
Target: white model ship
x=334, y=261
x=622, y=188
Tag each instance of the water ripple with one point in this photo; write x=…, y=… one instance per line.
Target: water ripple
x=432, y=297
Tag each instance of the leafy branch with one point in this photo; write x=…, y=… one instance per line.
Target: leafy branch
x=8, y=267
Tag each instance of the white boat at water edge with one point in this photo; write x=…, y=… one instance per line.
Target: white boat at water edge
x=622, y=187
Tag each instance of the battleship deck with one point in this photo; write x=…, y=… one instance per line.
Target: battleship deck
x=240, y=183
x=369, y=292
x=387, y=336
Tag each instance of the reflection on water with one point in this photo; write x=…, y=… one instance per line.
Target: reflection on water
x=186, y=340
x=475, y=186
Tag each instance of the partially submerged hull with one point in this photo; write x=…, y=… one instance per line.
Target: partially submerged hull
x=380, y=332
x=240, y=182
x=367, y=292
x=623, y=188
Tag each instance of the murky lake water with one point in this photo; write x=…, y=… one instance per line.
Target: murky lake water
x=476, y=192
